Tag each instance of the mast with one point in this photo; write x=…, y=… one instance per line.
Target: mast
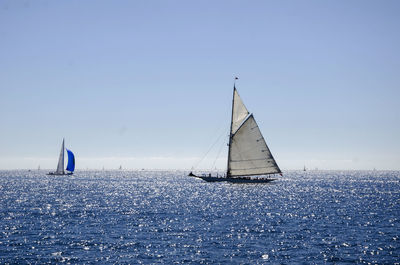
x=230, y=130
x=63, y=149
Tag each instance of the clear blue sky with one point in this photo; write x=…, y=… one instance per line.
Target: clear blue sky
x=148, y=83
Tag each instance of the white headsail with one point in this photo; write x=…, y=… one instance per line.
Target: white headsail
x=239, y=111
x=60, y=166
x=248, y=151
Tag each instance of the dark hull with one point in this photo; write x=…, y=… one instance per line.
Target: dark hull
x=233, y=180
x=58, y=174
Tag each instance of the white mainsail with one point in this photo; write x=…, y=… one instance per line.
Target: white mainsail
x=60, y=166
x=248, y=152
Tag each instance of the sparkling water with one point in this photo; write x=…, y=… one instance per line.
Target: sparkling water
x=166, y=217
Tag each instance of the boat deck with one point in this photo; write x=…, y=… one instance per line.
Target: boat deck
x=232, y=180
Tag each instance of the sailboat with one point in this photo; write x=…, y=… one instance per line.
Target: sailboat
x=248, y=153
x=60, y=166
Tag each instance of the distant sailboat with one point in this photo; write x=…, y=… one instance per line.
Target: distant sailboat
x=304, y=169
x=60, y=166
x=248, y=153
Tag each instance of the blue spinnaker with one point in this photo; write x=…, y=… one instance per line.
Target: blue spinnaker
x=71, y=161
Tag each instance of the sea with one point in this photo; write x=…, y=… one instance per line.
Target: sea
x=165, y=217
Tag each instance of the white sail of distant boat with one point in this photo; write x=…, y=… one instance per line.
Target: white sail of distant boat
x=60, y=166
x=248, y=153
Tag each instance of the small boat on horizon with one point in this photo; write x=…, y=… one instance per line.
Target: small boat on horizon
x=60, y=166
x=248, y=153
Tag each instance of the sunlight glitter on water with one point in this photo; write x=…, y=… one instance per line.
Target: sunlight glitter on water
x=150, y=217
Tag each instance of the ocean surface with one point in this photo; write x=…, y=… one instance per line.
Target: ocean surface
x=312, y=217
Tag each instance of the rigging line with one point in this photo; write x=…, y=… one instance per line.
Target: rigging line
x=219, y=152
x=219, y=137
x=228, y=110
